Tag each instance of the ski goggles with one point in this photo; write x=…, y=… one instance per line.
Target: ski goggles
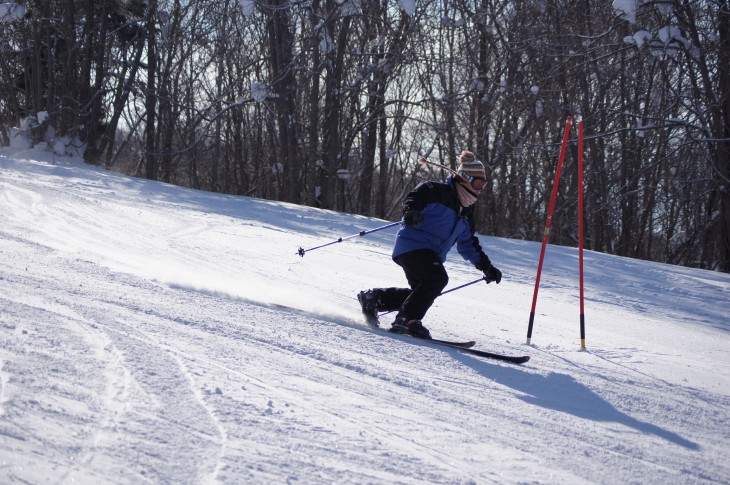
x=477, y=184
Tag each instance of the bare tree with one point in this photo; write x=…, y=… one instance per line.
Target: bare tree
x=330, y=102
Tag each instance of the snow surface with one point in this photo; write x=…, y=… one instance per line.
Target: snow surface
x=156, y=334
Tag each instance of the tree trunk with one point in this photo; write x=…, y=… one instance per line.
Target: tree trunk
x=722, y=129
x=283, y=82
x=151, y=94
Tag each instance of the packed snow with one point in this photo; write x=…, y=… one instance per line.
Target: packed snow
x=157, y=334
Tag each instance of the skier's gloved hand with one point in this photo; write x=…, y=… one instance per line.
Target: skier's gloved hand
x=490, y=272
x=493, y=274
x=412, y=218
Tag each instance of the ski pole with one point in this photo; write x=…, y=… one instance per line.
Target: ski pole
x=457, y=176
x=426, y=161
x=302, y=251
x=483, y=278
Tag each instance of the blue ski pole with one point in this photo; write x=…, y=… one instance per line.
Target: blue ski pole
x=302, y=251
x=483, y=278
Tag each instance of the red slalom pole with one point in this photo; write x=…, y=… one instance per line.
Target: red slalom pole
x=580, y=232
x=548, y=223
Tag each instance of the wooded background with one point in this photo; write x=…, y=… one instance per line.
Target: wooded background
x=329, y=103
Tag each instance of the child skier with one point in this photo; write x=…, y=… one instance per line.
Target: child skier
x=435, y=217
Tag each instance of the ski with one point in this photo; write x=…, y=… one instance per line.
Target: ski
x=466, y=347
x=513, y=359
x=462, y=345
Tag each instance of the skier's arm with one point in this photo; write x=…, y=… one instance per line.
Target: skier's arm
x=415, y=202
x=418, y=198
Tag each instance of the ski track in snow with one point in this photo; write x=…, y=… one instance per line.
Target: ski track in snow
x=151, y=334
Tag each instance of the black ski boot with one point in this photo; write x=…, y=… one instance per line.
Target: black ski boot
x=414, y=328
x=369, y=302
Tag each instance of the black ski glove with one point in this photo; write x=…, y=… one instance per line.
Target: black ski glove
x=493, y=274
x=490, y=272
x=412, y=218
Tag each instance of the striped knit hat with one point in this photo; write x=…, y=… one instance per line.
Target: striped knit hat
x=470, y=166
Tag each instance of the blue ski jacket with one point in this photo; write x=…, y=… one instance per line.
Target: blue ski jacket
x=445, y=223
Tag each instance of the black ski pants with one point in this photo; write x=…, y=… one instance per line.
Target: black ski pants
x=426, y=277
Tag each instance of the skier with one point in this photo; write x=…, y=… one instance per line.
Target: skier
x=435, y=217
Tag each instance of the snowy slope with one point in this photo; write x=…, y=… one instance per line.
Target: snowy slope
x=154, y=334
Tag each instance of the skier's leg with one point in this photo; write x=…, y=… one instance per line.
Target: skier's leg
x=427, y=277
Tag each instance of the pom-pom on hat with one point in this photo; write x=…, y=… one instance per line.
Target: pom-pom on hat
x=470, y=167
